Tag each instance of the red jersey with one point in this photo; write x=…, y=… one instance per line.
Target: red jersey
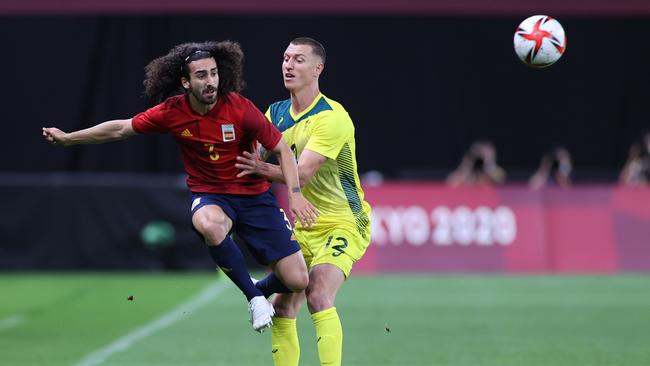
x=210, y=144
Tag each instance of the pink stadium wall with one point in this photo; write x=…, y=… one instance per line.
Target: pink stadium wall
x=430, y=227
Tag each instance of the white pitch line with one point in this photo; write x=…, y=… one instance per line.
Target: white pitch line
x=11, y=322
x=206, y=296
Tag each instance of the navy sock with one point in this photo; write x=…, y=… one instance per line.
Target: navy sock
x=231, y=261
x=271, y=284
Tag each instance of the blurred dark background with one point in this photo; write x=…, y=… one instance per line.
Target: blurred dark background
x=422, y=80
x=420, y=86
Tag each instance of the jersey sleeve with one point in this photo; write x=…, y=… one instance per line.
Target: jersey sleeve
x=150, y=121
x=329, y=134
x=260, y=128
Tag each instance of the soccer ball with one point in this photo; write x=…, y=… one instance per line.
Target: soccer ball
x=539, y=41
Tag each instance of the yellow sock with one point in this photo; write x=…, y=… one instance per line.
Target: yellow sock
x=329, y=334
x=284, y=342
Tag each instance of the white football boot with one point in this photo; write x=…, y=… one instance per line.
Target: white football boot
x=261, y=313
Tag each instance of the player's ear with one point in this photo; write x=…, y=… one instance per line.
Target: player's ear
x=185, y=82
x=318, y=69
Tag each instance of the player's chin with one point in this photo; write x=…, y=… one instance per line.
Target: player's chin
x=209, y=99
x=290, y=84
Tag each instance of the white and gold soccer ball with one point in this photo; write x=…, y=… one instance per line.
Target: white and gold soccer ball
x=539, y=41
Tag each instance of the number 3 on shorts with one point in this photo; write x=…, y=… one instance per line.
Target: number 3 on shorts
x=338, y=247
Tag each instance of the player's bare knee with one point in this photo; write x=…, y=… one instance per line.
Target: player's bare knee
x=304, y=282
x=299, y=283
x=212, y=230
x=318, y=300
x=212, y=223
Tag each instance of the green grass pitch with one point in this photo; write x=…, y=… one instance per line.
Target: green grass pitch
x=201, y=319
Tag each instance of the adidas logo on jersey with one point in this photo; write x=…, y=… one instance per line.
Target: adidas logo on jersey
x=186, y=133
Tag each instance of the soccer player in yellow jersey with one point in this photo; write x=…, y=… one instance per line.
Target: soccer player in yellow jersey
x=321, y=134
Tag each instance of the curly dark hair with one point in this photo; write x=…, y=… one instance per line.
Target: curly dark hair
x=163, y=75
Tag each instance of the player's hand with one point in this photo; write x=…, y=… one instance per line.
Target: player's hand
x=302, y=209
x=249, y=164
x=55, y=136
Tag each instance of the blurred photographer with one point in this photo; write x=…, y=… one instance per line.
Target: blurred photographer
x=478, y=167
x=636, y=171
x=554, y=169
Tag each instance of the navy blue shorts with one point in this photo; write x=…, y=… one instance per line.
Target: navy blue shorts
x=258, y=220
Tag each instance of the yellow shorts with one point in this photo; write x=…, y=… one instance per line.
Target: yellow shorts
x=338, y=246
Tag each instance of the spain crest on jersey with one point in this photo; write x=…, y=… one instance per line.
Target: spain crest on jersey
x=228, y=132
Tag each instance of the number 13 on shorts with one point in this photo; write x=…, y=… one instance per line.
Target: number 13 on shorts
x=340, y=243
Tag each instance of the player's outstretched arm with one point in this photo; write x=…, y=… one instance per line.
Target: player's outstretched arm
x=114, y=130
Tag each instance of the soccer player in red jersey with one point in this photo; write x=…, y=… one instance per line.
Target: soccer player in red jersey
x=213, y=124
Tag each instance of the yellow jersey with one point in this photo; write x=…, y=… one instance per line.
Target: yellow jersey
x=326, y=128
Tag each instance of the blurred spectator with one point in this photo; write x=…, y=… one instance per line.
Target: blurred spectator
x=479, y=166
x=372, y=178
x=554, y=169
x=636, y=171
